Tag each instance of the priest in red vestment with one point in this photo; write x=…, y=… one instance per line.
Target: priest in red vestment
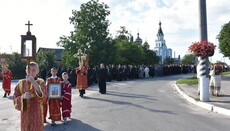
x=54, y=104
x=6, y=80
x=82, y=79
x=66, y=97
x=28, y=98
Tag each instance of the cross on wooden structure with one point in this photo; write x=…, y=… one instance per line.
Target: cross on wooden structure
x=29, y=26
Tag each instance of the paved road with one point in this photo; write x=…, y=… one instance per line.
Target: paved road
x=142, y=105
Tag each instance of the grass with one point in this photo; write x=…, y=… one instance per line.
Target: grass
x=188, y=81
x=225, y=73
x=197, y=99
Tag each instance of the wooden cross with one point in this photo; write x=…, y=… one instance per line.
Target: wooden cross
x=29, y=26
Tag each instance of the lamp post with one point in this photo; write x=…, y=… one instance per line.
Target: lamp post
x=203, y=61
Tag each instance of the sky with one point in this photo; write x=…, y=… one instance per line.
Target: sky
x=50, y=19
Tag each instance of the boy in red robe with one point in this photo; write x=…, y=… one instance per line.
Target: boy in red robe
x=6, y=80
x=54, y=104
x=66, y=97
x=28, y=96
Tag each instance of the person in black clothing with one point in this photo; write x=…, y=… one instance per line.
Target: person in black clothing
x=90, y=76
x=101, y=76
x=73, y=77
x=114, y=72
x=59, y=72
x=109, y=73
x=95, y=69
x=120, y=73
x=43, y=74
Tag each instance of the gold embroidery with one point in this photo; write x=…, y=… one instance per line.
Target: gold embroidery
x=22, y=103
x=20, y=87
x=40, y=91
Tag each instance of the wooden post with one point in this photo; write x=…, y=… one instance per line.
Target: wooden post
x=28, y=39
x=28, y=102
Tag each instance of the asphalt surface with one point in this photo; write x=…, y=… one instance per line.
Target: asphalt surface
x=142, y=105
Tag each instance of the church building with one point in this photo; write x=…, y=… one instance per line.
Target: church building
x=138, y=40
x=160, y=48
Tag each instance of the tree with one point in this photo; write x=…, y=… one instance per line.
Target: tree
x=90, y=34
x=127, y=53
x=46, y=59
x=146, y=45
x=130, y=53
x=224, y=40
x=150, y=57
x=17, y=65
x=123, y=33
x=168, y=60
x=189, y=59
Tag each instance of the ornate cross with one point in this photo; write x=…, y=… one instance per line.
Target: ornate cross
x=79, y=55
x=29, y=26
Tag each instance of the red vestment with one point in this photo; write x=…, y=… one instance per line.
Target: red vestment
x=82, y=79
x=32, y=112
x=6, y=80
x=54, y=104
x=66, y=99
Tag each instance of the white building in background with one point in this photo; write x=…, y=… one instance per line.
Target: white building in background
x=161, y=48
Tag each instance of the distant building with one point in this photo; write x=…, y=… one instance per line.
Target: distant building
x=138, y=40
x=57, y=52
x=161, y=49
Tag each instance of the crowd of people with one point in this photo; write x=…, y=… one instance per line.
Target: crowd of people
x=33, y=95
x=124, y=72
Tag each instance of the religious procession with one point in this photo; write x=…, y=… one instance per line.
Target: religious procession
x=45, y=96
x=134, y=85
x=49, y=92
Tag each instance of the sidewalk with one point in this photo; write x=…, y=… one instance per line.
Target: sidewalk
x=219, y=104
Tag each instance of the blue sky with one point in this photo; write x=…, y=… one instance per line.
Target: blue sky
x=50, y=20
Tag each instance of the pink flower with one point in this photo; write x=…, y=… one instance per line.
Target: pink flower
x=203, y=48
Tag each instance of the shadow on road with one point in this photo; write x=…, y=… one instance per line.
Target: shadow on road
x=72, y=125
x=129, y=95
x=130, y=104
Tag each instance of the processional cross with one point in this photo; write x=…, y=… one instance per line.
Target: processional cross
x=29, y=26
x=80, y=55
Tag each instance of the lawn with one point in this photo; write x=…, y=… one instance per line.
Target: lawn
x=188, y=81
x=193, y=80
x=225, y=73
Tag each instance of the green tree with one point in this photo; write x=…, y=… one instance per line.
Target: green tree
x=46, y=59
x=150, y=57
x=189, y=59
x=17, y=65
x=90, y=34
x=127, y=52
x=146, y=45
x=224, y=40
x=131, y=53
x=123, y=33
x=168, y=60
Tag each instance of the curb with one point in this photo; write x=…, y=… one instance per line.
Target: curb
x=204, y=105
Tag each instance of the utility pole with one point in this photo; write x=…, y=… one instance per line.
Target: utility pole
x=203, y=61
